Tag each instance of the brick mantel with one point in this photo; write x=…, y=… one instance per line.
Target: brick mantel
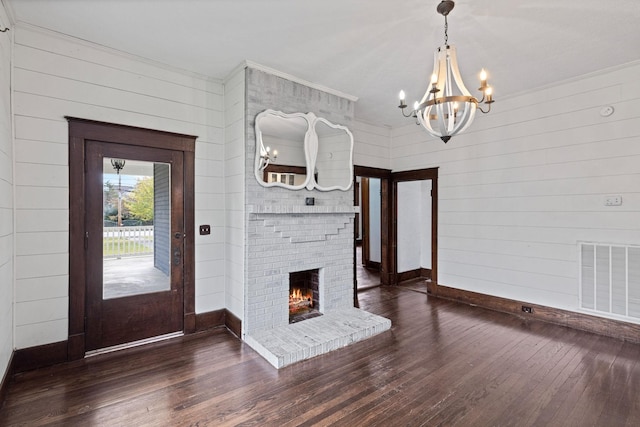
x=278, y=210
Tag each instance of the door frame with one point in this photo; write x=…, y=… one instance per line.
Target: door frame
x=416, y=175
x=385, y=222
x=81, y=131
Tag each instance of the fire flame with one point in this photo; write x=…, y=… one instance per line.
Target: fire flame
x=299, y=301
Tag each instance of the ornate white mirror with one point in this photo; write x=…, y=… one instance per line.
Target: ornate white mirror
x=281, y=158
x=290, y=146
x=334, y=163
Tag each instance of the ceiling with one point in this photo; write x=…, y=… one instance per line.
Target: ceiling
x=366, y=48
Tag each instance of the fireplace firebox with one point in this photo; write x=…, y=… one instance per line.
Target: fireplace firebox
x=304, y=295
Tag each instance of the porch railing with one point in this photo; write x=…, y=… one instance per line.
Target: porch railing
x=118, y=242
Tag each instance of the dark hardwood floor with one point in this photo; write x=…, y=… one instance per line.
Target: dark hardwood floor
x=442, y=363
x=365, y=277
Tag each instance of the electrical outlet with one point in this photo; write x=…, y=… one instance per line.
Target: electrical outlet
x=613, y=200
x=527, y=309
x=205, y=229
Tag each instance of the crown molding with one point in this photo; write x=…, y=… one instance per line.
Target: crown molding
x=250, y=64
x=113, y=51
x=8, y=18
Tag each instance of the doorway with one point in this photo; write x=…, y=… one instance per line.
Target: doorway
x=372, y=227
x=131, y=235
x=415, y=231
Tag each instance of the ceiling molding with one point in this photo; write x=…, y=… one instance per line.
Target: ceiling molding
x=9, y=13
x=256, y=66
x=573, y=79
x=110, y=50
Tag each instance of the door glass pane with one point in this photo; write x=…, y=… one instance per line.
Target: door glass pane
x=136, y=227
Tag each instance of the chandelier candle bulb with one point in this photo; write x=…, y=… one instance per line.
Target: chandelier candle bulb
x=402, y=98
x=489, y=93
x=483, y=80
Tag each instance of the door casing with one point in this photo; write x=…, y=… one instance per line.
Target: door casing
x=416, y=175
x=385, y=223
x=81, y=131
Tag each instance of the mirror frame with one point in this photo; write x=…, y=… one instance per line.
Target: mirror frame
x=310, y=146
x=260, y=149
x=314, y=152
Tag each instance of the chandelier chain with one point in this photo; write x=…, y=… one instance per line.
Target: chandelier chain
x=446, y=31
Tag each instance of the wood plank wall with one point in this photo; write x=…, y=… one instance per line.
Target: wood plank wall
x=57, y=76
x=528, y=181
x=371, y=145
x=234, y=156
x=6, y=200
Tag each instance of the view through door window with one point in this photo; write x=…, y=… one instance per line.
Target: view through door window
x=136, y=232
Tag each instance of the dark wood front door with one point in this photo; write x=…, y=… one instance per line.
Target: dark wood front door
x=135, y=234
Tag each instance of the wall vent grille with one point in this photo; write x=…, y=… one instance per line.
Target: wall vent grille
x=610, y=279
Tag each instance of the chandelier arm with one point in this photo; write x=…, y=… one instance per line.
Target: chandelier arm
x=406, y=115
x=488, y=109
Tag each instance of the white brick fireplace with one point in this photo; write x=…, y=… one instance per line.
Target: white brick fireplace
x=297, y=239
x=283, y=235
x=293, y=239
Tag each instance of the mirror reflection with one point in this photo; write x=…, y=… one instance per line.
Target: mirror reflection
x=300, y=150
x=280, y=151
x=333, y=167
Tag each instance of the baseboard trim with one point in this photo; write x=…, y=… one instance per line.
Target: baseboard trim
x=41, y=356
x=598, y=325
x=424, y=273
x=374, y=265
x=217, y=318
x=6, y=379
x=26, y=359
x=233, y=323
x=210, y=319
x=408, y=275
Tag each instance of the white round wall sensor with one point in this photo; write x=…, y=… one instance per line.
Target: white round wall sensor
x=606, y=111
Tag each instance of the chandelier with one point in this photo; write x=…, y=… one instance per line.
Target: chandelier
x=267, y=156
x=447, y=108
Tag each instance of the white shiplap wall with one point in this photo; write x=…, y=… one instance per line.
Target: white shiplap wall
x=370, y=145
x=56, y=76
x=6, y=199
x=234, y=156
x=528, y=181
